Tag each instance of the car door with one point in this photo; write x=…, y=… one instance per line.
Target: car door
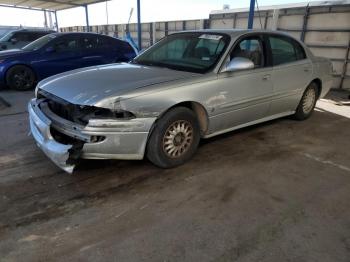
x=63, y=54
x=292, y=72
x=244, y=95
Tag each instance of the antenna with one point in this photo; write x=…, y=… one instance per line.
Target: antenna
x=131, y=11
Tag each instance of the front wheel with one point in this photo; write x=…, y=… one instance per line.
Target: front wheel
x=175, y=138
x=307, y=103
x=20, y=78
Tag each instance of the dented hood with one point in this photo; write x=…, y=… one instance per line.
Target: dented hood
x=91, y=85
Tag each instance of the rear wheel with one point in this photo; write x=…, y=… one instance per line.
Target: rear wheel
x=175, y=138
x=20, y=78
x=307, y=103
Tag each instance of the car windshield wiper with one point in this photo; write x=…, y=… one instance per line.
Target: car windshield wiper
x=149, y=63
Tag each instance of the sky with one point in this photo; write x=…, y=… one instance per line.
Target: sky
x=118, y=12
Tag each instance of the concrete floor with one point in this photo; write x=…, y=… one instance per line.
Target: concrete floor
x=273, y=192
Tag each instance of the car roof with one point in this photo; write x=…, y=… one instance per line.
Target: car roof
x=33, y=30
x=235, y=32
x=82, y=33
x=79, y=33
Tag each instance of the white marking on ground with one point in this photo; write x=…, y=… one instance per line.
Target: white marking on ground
x=327, y=162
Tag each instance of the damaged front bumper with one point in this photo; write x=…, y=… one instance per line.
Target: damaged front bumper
x=116, y=138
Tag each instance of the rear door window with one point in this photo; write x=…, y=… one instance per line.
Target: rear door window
x=89, y=42
x=66, y=44
x=285, y=50
x=103, y=42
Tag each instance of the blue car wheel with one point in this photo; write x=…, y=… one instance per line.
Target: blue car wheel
x=20, y=78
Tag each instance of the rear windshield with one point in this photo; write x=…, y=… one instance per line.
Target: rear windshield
x=39, y=43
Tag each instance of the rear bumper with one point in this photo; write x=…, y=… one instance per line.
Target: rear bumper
x=122, y=139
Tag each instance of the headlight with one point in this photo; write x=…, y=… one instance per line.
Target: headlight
x=36, y=91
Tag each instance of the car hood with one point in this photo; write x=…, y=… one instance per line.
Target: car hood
x=93, y=85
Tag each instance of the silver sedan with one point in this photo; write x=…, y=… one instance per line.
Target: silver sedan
x=189, y=86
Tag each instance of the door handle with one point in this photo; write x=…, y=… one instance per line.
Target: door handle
x=266, y=77
x=306, y=69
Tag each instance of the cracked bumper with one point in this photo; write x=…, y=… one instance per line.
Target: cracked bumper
x=123, y=139
x=40, y=129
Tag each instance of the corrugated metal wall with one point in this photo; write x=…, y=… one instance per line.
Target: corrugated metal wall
x=325, y=29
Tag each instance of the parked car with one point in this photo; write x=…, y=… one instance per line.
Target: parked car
x=55, y=53
x=19, y=38
x=188, y=86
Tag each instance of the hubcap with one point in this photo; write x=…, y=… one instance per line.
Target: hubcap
x=22, y=79
x=177, y=138
x=309, y=100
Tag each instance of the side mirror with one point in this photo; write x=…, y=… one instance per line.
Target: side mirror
x=238, y=63
x=13, y=41
x=50, y=49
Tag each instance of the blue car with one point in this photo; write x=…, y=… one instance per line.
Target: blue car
x=21, y=69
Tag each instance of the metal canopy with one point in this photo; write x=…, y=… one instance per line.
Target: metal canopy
x=48, y=5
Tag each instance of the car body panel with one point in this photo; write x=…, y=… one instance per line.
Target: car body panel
x=79, y=86
x=223, y=101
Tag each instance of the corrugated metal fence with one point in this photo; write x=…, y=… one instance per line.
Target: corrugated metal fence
x=325, y=29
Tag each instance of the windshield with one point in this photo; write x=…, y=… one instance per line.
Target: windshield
x=193, y=52
x=39, y=43
x=6, y=37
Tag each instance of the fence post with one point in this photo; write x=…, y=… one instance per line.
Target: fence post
x=275, y=17
x=151, y=34
x=306, y=18
x=345, y=66
x=234, y=20
x=166, y=28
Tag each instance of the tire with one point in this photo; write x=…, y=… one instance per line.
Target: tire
x=174, y=139
x=307, y=103
x=20, y=78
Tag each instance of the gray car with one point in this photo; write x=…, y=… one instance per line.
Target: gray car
x=189, y=86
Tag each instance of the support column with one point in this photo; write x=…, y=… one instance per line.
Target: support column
x=57, y=28
x=45, y=19
x=251, y=14
x=50, y=20
x=139, y=33
x=87, y=18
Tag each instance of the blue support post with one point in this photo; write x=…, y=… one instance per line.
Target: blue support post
x=139, y=34
x=251, y=14
x=87, y=18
